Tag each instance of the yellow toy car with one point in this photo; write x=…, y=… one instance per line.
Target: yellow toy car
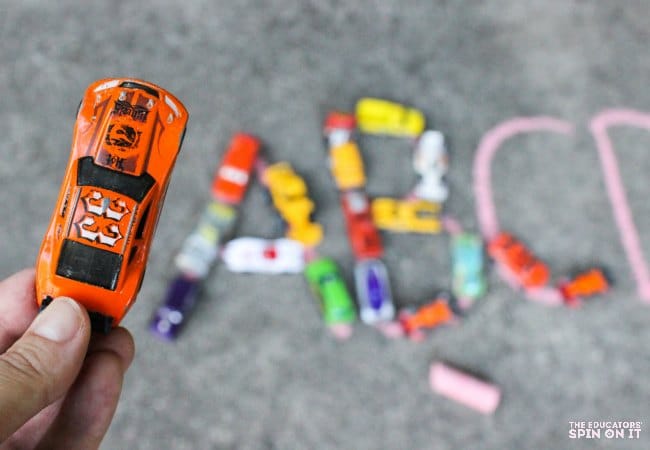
x=408, y=216
x=376, y=116
x=289, y=196
x=347, y=166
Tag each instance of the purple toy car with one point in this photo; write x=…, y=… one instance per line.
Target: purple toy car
x=169, y=318
x=373, y=292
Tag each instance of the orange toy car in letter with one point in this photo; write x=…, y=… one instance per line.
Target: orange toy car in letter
x=585, y=284
x=431, y=315
x=513, y=256
x=125, y=142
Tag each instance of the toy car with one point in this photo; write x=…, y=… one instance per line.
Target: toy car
x=430, y=161
x=125, y=142
x=410, y=216
x=518, y=261
x=586, y=284
x=201, y=248
x=376, y=116
x=255, y=255
x=179, y=301
x=347, y=166
x=373, y=292
x=338, y=128
x=288, y=193
x=362, y=232
x=431, y=315
x=335, y=300
x=467, y=266
x=234, y=173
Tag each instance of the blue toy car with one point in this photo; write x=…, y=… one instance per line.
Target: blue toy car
x=468, y=259
x=373, y=292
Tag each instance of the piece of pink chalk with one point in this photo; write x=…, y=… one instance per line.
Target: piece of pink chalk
x=463, y=388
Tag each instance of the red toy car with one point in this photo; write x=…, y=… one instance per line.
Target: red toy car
x=513, y=256
x=362, y=232
x=229, y=185
x=125, y=142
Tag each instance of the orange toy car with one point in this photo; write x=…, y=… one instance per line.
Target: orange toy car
x=230, y=183
x=124, y=145
x=431, y=315
x=518, y=260
x=586, y=284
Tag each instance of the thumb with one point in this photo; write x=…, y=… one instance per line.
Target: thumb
x=42, y=365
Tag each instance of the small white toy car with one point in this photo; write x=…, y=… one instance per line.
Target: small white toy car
x=256, y=255
x=201, y=247
x=430, y=161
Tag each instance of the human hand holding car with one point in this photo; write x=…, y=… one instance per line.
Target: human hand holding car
x=59, y=386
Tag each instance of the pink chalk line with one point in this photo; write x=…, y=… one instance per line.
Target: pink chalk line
x=488, y=147
x=629, y=235
x=451, y=224
x=491, y=142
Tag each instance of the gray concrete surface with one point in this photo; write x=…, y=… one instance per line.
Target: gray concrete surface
x=255, y=369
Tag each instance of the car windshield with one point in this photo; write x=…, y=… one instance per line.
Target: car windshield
x=135, y=187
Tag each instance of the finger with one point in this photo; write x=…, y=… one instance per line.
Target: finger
x=17, y=306
x=119, y=341
x=42, y=365
x=89, y=407
x=30, y=434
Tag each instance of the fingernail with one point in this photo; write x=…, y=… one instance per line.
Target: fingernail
x=60, y=321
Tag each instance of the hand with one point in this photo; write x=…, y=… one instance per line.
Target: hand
x=58, y=386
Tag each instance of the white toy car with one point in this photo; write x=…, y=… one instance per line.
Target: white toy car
x=201, y=247
x=430, y=161
x=256, y=255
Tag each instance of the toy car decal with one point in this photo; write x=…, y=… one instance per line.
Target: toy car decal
x=138, y=110
x=122, y=136
x=101, y=217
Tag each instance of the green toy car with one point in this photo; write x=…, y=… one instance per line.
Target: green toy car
x=336, y=303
